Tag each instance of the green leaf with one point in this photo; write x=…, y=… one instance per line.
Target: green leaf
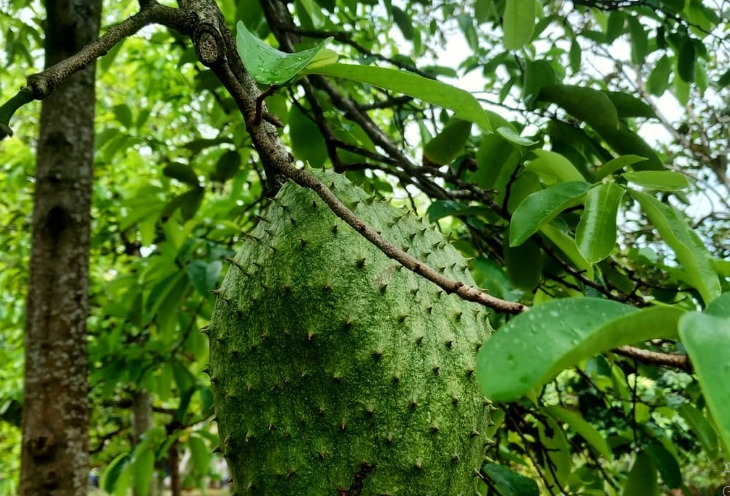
x=496, y=158
x=562, y=333
x=306, y=141
x=204, y=276
x=659, y=78
x=615, y=25
x=707, y=340
x=719, y=307
x=429, y=90
x=658, y=180
x=512, y=136
x=686, y=244
x=403, y=21
x=113, y=471
x=629, y=106
x=181, y=172
x=518, y=23
x=724, y=79
x=686, y=60
x=543, y=206
x=575, y=55
x=266, y=64
x=596, y=231
x=448, y=144
x=557, y=464
x=538, y=74
x=510, y=483
x=200, y=454
x=639, y=41
x=567, y=245
x=617, y=164
x=667, y=465
x=524, y=264
x=591, y=106
x=642, y=479
x=144, y=467
x=626, y=142
x=227, y=166
x=190, y=202
x=553, y=167
x=583, y=428
x=124, y=115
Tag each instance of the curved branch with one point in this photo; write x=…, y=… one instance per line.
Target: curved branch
x=655, y=358
x=308, y=180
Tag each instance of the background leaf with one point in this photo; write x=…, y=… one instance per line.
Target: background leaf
x=518, y=23
x=596, y=231
x=541, y=207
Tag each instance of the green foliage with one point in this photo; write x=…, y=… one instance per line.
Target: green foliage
x=535, y=194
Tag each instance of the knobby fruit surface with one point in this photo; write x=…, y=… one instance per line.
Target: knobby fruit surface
x=335, y=370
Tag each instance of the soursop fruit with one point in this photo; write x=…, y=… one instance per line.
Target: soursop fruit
x=336, y=371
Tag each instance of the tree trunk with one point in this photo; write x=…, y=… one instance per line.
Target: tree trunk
x=141, y=421
x=55, y=398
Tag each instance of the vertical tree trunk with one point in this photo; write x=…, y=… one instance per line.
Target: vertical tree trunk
x=141, y=421
x=55, y=399
x=173, y=457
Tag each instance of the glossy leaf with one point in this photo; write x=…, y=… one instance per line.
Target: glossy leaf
x=596, y=231
x=562, y=333
x=553, y=167
x=144, y=467
x=510, y=483
x=567, y=245
x=686, y=244
x=707, y=340
x=541, y=207
x=306, y=140
x=518, y=23
x=658, y=180
x=591, y=106
x=642, y=480
x=113, y=471
x=616, y=165
x=448, y=144
x=524, y=265
x=268, y=65
x=204, y=276
x=431, y=91
x=667, y=465
x=583, y=428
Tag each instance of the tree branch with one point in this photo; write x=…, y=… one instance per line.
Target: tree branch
x=655, y=358
x=306, y=179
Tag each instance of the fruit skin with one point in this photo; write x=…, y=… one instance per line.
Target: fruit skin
x=336, y=371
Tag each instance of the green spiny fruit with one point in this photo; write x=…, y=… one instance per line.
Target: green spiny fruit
x=335, y=370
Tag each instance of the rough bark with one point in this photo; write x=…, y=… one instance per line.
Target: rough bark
x=141, y=421
x=55, y=406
